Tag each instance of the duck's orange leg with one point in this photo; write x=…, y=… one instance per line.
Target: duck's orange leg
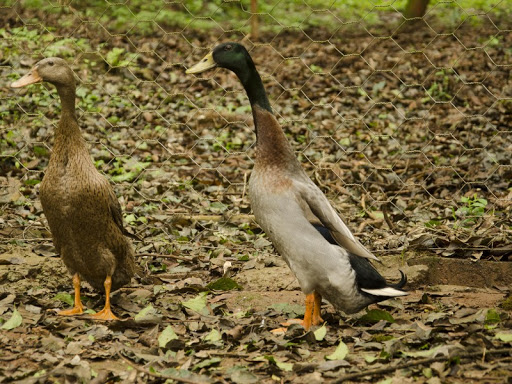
x=106, y=313
x=78, y=309
x=308, y=316
x=317, y=319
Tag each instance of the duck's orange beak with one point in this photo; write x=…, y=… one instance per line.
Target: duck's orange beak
x=30, y=78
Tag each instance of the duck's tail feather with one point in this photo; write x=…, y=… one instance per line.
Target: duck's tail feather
x=391, y=290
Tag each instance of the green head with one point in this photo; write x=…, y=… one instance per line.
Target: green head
x=234, y=56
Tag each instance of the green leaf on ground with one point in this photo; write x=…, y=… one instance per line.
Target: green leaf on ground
x=320, y=333
x=14, y=321
x=197, y=304
x=426, y=353
x=340, y=353
x=167, y=335
x=64, y=297
x=505, y=337
x=282, y=366
x=223, y=284
x=375, y=315
x=213, y=336
x=149, y=315
x=370, y=359
x=207, y=363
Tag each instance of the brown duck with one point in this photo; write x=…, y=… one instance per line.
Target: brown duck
x=82, y=210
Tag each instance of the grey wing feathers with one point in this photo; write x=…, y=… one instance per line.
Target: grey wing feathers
x=318, y=207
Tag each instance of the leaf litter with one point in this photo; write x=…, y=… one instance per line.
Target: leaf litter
x=183, y=318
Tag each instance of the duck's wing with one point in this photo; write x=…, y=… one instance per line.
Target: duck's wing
x=319, y=211
x=117, y=214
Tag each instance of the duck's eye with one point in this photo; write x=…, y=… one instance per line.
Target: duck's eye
x=50, y=63
x=228, y=47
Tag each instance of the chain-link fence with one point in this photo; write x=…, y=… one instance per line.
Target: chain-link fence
x=404, y=124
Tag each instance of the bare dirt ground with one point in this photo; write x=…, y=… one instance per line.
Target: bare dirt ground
x=408, y=136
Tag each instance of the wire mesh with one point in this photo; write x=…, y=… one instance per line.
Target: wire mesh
x=403, y=123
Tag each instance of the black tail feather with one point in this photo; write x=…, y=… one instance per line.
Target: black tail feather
x=401, y=283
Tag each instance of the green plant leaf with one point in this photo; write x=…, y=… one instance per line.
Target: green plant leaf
x=283, y=366
x=167, y=335
x=213, y=336
x=14, y=321
x=197, y=304
x=340, y=353
x=370, y=359
x=320, y=333
x=223, y=284
x=64, y=297
x=426, y=353
x=503, y=336
x=375, y=315
x=492, y=317
x=148, y=315
x=207, y=363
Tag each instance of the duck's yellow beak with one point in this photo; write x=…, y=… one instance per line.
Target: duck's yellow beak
x=206, y=63
x=30, y=78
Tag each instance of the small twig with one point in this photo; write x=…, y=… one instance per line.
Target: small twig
x=386, y=217
x=158, y=375
x=380, y=371
x=163, y=256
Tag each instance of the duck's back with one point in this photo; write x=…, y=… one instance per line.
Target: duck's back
x=85, y=217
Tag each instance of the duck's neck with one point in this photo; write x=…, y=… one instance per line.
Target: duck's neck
x=68, y=138
x=67, y=99
x=68, y=125
x=253, y=85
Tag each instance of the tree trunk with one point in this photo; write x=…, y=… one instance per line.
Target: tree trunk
x=415, y=8
x=254, y=19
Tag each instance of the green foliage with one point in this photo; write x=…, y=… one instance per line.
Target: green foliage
x=64, y=297
x=373, y=316
x=473, y=208
x=320, y=333
x=340, y=353
x=198, y=303
x=148, y=17
x=492, y=318
x=440, y=88
x=166, y=336
x=14, y=321
x=226, y=141
x=224, y=284
x=117, y=57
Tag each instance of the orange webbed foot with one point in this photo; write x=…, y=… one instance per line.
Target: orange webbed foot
x=104, y=314
x=77, y=310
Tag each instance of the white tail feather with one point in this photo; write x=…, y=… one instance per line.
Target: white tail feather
x=388, y=291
